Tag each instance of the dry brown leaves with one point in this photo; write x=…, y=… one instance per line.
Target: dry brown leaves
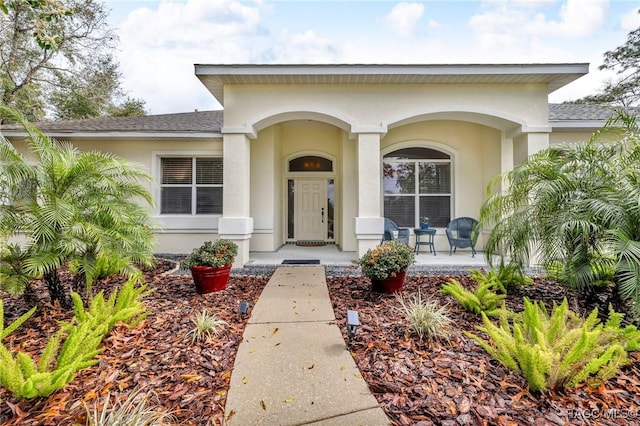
x=189, y=379
x=443, y=383
x=457, y=382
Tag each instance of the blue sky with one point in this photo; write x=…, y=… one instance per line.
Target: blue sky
x=161, y=40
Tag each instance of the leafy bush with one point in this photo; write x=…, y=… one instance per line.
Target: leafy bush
x=84, y=209
x=217, y=254
x=386, y=260
x=558, y=350
x=425, y=317
x=60, y=361
x=482, y=300
x=13, y=278
x=503, y=277
x=577, y=204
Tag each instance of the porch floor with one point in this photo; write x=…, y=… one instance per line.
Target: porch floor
x=330, y=255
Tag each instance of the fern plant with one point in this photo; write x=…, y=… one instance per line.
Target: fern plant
x=482, y=300
x=71, y=349
x=561, y=349
x=501, y=278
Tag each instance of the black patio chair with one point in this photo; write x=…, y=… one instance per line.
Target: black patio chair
x=462, y=232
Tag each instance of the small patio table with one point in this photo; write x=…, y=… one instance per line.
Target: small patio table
x=424, y=237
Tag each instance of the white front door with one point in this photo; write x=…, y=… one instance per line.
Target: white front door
x=311, y=209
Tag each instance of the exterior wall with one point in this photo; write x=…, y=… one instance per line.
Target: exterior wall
x=381, y=105
x=559, y=138
x=176, y=234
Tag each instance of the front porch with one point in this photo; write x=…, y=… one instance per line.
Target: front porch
x=338, y=262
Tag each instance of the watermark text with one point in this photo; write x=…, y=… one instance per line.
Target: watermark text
x=596, y=413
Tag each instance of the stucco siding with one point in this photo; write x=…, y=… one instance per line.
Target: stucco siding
x=383, y=105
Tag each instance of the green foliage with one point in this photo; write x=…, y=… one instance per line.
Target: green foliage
x=386, y=260
x=502, y=278
x=577, y=206
x=13, y=278
x=136, y=410
x=558, y=350
x=77, y=208
x=58, y=60
x=73, y=348
x=217, y=254
x=44, y=18
x=625, y=61
x=205, y=326
x=482, y=300
x=425, y=317
x=4, y=332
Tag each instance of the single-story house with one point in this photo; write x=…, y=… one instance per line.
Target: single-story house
x=326, y=152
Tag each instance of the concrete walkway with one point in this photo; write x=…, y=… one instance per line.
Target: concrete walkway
x=293, y=366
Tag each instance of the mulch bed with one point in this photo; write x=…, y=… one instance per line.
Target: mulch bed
x=448, y=383
x=457, y=382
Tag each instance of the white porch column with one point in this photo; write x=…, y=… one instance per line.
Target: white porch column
x=506, y=153
x=236, y=223
x=369, y=224
x=527, y=144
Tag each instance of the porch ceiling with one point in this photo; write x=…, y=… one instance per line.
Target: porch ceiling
x=214, y=77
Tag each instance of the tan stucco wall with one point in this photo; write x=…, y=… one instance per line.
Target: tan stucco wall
x=382, y=105
x=186, y=236
x=559, y=138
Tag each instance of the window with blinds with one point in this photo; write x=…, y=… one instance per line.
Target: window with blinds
x=417, y=183
x=191, y=185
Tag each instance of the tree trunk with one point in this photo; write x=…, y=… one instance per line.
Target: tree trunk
x=78, y=281
x=56, y=289
x=29, y=295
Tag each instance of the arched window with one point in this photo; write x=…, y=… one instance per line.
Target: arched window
x=310, y=163
x=417, y=183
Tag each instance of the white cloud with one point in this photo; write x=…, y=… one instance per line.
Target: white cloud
x=522, y=21
x=630, y=20
x=578, y=18
x=160, y=46
x=306, y=47
x=403, y=18
x=434, y=24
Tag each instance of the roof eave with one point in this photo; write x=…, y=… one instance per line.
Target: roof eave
x=576, y=125
x=117, y=135
x=214, y=76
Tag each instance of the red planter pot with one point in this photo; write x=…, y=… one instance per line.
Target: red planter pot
x=389, y=285
x=208, y=279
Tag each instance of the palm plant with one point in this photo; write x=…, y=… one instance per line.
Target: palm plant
x=80, y=209
x=575, y=206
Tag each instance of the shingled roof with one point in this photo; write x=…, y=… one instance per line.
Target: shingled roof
x=186, y=122
x=562, y=117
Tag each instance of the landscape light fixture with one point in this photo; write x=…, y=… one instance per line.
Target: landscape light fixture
x=353, y=322
x=243, y=307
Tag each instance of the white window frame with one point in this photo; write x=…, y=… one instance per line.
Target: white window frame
x=184, y=221
x=416, y=195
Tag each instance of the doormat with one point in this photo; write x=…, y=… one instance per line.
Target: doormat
x=310, y=243
x=301, y=262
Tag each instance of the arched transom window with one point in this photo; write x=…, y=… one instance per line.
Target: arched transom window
x=417, y=184
x=310, y=163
